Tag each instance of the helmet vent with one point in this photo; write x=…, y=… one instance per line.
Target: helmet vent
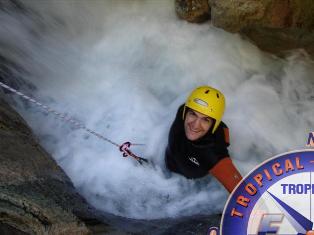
x=201, y=102
x=206, y=92
x=217, y=95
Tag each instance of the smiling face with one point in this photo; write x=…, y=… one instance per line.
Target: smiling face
x=196, y=125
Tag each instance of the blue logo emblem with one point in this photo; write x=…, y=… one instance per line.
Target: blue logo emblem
x=275, y=198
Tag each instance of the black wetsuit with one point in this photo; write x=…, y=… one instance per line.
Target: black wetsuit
x=194, y=159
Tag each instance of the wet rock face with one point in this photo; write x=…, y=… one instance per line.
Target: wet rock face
x=9, y=230
x=276, y=14
x=236, y=15
x=36, y=197
x=273, y=25
x=194, y=11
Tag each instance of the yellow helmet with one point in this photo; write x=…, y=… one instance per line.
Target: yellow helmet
x=208, y=101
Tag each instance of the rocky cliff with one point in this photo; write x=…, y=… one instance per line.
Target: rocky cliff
x=273, y=25
x=36, y=196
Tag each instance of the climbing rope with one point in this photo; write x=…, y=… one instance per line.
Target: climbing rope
x=124, y=148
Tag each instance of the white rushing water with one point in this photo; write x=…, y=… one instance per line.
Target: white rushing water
x=123, y=68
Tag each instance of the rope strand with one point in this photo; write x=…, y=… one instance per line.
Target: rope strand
x=65, y=118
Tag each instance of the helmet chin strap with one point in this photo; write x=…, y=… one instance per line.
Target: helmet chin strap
x=124, y=148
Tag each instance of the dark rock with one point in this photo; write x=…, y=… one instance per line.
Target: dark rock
x=36, y=197
x=9, y=230
x=10, y=74
x=187, y=225
x=26, y=170
x=12, y=5
x=280, y=41
x=195, y=11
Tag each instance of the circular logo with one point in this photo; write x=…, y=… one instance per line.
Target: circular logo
x=275, y=198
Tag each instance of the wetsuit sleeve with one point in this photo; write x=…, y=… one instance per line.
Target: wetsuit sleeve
x=226, y=173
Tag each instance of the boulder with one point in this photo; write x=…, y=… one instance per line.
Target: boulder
x=36, y=196
x=194, y=11
x=273, y=25
x=235, y=16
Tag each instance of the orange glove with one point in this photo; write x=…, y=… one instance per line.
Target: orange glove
x=226, y=173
